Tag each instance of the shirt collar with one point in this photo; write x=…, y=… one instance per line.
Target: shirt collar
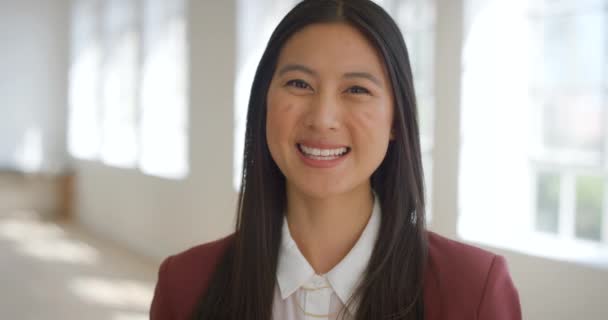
x=293, y=269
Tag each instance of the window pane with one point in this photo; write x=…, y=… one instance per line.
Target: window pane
x=119, y=77
x=569, y=48
x=84, y=132
x=575, y=41
x=547, y=208
x=589, y=206
x=574, y=120
x=164, y=90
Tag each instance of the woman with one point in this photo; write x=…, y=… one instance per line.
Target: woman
x=331, y=211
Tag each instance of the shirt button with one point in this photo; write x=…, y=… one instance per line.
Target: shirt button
x=318, y=281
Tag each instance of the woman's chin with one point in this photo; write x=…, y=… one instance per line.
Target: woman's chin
x=321, y=189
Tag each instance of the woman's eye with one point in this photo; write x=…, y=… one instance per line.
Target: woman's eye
x=300, y=84
x=357, y=90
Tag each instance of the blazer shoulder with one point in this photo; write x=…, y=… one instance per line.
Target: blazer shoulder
x=469, y=281
x=201, y=255
x=457, y=254
x=184, y=277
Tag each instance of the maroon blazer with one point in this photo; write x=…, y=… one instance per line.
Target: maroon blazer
x=461, y=282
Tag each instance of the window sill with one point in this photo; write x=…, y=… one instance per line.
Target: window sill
x=588, y=253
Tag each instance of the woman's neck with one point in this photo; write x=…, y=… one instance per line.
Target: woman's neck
x=325, y=229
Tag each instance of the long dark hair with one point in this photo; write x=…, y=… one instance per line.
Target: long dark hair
x=243, y=284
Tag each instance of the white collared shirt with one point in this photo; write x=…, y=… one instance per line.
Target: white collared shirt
x=301, y=294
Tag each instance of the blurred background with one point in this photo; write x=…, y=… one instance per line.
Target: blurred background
x=121, y=130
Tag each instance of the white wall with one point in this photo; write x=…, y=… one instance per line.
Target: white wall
x=33, y=69
x=557, y=290
x=158, y=217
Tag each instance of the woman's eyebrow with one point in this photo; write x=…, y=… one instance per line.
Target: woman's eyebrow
x=364, y=75
x=305, y=69
x=297, y=67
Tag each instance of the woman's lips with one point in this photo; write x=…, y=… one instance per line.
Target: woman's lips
x=327, y=156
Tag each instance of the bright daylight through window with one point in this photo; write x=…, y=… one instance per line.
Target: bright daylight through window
x=535, y=126
x=128, y=85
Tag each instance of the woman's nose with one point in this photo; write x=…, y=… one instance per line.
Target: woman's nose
x=324, y=113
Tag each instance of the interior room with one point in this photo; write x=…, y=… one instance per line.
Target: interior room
x=122, y=133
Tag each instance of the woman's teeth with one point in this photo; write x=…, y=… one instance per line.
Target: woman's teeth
x=322, y=154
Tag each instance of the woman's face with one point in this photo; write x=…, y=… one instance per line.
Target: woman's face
x=330, y=110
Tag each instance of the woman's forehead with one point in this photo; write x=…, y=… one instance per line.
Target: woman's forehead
x=331, y=46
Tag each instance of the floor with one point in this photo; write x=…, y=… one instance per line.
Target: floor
x=52, y=270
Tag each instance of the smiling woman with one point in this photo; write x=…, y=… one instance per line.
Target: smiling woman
x=329, y=107
x=331, y=219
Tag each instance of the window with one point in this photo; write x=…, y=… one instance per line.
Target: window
x=128, y=105
x=118, y=81
x=569, y=93
x=535, y=122
x=84, y=138
x=164, y=107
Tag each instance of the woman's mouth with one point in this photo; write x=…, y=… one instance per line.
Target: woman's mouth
x=322, y=154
